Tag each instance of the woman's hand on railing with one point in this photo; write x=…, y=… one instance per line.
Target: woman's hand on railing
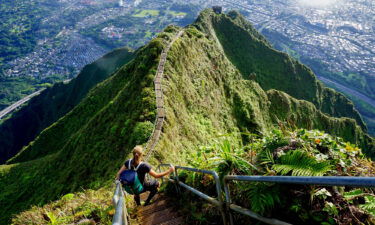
x=171, y=169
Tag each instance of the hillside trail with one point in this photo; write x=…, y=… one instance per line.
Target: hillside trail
x=162, y=210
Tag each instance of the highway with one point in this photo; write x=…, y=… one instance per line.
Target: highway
x=9, y=109
x=344, y=89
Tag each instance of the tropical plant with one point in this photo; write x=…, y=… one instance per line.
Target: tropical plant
x=262, y=196
x=369, y=200
x=228, y=159
x=299, y=163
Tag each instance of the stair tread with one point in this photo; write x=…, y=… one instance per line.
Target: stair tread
x=158, y=206
x=175, y=221
x=157, y=210
x=160, y=216
x=157, y=197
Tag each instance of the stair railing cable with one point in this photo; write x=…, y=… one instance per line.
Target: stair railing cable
x=121, y=215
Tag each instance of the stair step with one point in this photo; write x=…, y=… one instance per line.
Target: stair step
x=156, y=198
x=160, y=216
x=175, y=221
x=157, y=206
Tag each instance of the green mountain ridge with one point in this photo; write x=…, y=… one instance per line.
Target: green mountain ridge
x=55, y=102
x=205, y=96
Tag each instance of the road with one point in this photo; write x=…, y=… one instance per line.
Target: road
x=344, y=89
x=9, y=109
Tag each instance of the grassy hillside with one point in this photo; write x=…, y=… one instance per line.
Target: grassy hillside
x=256, y=59
x=55, y=102
x=205, y=94
x=86, y=146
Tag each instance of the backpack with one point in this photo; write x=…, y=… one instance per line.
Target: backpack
x=130, y=181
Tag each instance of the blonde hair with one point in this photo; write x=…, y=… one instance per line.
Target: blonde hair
x=138, y=153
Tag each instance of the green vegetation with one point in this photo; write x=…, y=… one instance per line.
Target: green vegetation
x=19, y=25
x=206, y=96
x=23, y=24
x=13, y=89
x=72, y=208
x=285, y=108
x=146, y=12
x=53, y=103
x=358, y=82
x=367, y=112
x=285, y=152
x=251, y=53
x=87, y=145
x=174, y=13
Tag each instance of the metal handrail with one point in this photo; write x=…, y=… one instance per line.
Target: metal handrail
x=165, y=165
x=121, y=214
x=226, y=206
x=215, y=201
x=326, y=181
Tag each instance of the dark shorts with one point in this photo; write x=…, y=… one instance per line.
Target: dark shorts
x=150, y=185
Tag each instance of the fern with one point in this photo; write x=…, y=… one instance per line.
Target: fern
x=350, y=195
x=265, y=157
x=263, y=197
x=299, y=163
x=369, y=206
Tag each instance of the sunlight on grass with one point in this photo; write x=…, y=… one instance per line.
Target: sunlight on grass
x=146, y=12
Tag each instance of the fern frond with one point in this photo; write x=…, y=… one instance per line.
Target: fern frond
x=299, y=163
x=266, y=157
x=369, y=206
x=263, y=197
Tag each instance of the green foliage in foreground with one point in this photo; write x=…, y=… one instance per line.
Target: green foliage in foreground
x=297, y=153
x=87, y=207
x=299, y=163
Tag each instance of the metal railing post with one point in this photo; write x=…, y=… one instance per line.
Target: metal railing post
x=217, y=202
x=228, y=201
x=177, y=180
x=220, y=197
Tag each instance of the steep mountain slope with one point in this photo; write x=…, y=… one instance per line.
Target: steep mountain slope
x=205, y=96
x=85, y=147
x=251, y=53
x=55, y=102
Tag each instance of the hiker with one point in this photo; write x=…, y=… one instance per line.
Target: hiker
x=141, y=168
